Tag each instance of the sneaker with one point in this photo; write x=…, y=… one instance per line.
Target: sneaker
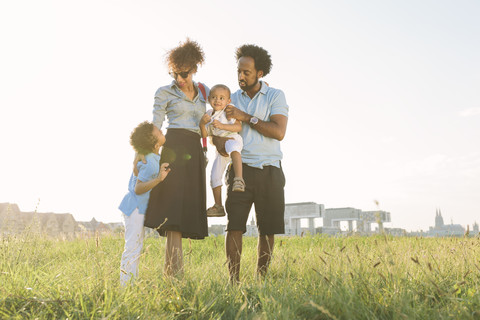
x=238, y=184
x=216, y=211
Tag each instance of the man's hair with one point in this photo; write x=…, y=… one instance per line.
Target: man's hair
x=262, y=59
x=142, y=138
x=220, y=86
x=187, y=55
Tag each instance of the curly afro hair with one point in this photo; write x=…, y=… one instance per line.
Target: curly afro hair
x=142, y=138
x=263, y=61
x=188, y=55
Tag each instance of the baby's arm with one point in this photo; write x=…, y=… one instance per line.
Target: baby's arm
x=142, y=187
x=203, y=130
x=235, y=127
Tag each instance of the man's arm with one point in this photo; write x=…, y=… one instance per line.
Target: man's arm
x=219, y=143
x=275, y=128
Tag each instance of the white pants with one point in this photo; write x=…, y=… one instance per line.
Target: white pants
x=134, y=234
x=220, y=163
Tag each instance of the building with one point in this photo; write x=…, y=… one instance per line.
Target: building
x=445, y=230
x=15, y=221
x=216, y=229
x=295, y=212
x=356, y=219
x=252, y=229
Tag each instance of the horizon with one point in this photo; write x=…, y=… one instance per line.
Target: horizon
x=303, y=221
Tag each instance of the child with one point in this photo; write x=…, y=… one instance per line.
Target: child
x=215, y=123
x=146, y=139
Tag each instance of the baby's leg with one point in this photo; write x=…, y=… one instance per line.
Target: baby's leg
x=218, y=168
x=234, y=149
x=237, y=164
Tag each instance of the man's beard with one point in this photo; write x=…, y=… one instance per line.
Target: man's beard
x=250, y=87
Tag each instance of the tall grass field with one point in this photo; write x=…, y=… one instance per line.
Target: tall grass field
x=310, y=277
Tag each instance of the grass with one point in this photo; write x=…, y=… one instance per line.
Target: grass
x=309, y=278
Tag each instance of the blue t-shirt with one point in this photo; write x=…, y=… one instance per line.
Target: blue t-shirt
x=146, y=172
x=259, y=151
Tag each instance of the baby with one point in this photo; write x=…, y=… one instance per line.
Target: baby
x=215, y=123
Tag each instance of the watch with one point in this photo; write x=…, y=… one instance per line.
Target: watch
x=253, y=121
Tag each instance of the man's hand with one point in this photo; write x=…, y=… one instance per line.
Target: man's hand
x=219, y=143
x=138, y=157
x=233, y=112
x=164, y=170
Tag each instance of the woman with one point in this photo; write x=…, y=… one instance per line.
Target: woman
x=177, y=207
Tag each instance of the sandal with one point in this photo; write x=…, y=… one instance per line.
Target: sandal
x=238, y=184
x=216, y=211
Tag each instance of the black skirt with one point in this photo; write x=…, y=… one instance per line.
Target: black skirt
x=179, y=202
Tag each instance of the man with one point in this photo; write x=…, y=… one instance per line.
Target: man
x=264, y=114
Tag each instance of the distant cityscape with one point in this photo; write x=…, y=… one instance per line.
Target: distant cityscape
x=334, y=222
x=14, y=221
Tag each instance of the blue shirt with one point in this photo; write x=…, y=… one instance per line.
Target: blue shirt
x=259, y=151
x=146, y=172
x=181, y=112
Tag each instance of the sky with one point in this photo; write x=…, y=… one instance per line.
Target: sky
x=384, y=98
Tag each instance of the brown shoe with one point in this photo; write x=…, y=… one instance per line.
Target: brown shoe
x=216, y=211
x=238, y=184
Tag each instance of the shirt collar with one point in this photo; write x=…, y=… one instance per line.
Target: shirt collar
x=263, y=88
x=174, y=86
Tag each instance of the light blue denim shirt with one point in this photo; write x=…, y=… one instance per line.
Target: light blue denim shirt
x=182, y=113
x=146, y=172
x=258, y=150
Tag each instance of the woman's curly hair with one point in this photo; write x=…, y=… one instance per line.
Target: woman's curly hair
x=142, y=138
x=188, y=55
x=263, y=61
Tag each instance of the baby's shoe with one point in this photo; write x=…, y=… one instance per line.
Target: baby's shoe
x=238, y=184
x=216, y=211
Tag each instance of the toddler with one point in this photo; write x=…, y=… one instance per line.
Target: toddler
x=146, y=139
x=215, y=123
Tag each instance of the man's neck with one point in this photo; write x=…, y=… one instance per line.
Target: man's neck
x=252, y=92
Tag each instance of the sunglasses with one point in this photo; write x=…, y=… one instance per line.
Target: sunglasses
x=184, y=74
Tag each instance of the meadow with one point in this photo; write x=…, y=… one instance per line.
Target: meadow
x=310, y=277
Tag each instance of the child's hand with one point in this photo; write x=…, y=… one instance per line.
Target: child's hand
x=205, y=119
x=164, y=170
x=217, y=124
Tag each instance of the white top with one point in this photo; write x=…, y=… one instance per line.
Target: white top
x=222, y=117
